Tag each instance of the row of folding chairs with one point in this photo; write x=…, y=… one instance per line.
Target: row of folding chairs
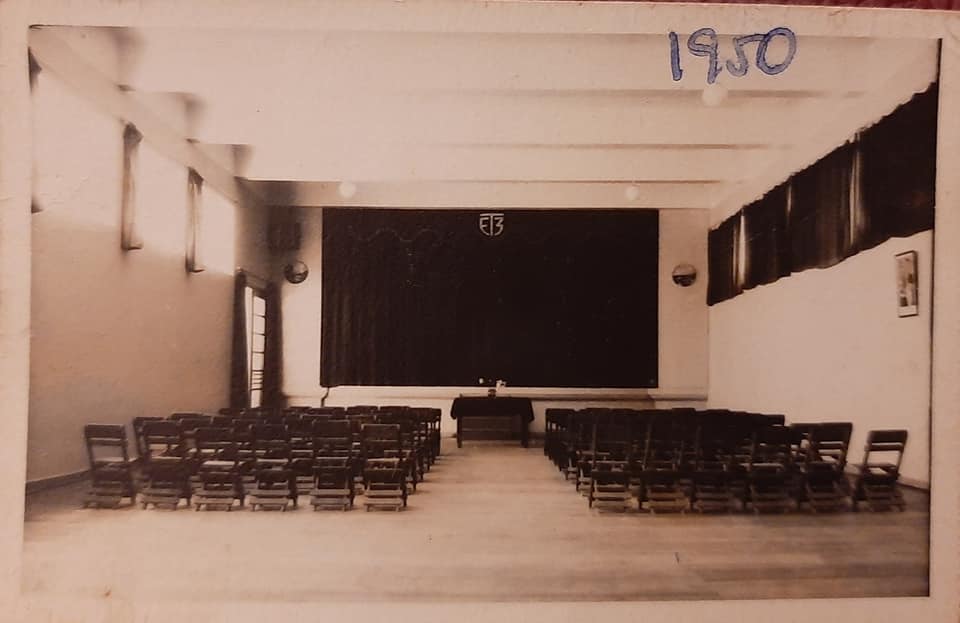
x=419, y=430
x=216, y=473
x=258, y=455
x=683, y=459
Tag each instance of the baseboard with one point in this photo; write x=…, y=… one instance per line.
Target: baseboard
x=43, y=484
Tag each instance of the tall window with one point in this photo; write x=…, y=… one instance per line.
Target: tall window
x=256, y=311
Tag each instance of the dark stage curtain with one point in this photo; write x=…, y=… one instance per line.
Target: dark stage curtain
x=820, y=233
x=273, y=356
x=722, y=247
x=767, y=239
x=898, y=172
x=423, y=297
x=239, y=388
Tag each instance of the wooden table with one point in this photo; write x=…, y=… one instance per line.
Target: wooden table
x=515, y=408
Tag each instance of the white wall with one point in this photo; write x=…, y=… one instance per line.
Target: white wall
x=119, y=334
x=683, y=332
x=826, y=345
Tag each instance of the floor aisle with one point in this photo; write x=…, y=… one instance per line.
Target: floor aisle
x=491, y=523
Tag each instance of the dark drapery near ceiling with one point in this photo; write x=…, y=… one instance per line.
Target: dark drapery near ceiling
x=562, y=298
x=766, y=238
x=819, y=218
x=722, y=258
x=899, y=168
x=879, y=186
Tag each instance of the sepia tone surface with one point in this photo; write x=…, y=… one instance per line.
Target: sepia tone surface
x=492, y=524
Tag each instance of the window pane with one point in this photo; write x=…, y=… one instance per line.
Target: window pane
x=259, y=324
x=259, y=306
x=258, y=342
x=255, y=398
x=257, y=363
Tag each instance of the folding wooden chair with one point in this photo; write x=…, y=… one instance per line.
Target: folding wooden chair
x=165, y=483
x=138, y=423
x=877, y=482
x=825, y=486
x=332, y=483
x=274, y=489
x=220, y=486
x=663, y=489
x=385, y=480
x=111, y=470
x=713, y=468
x=217, y=451
x=770, y=469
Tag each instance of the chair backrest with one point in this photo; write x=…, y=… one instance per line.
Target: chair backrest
x=885, y=443
x=263, y=432
x=274, y=479
x=217, y=479
x=772, y=445
x=385, y=471
x=330, y=476
x=274, y=449
x=163, y=437
x=215, y=441
x=332, y=437
x=185, y=415
x=106, y=443
x=829, y=442
x=362, y=409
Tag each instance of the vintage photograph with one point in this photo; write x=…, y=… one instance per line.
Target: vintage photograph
x=553, y=309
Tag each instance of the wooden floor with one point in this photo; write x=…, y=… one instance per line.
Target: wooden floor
x=491, y=523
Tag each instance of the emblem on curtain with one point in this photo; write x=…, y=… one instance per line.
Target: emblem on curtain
x=491, y=223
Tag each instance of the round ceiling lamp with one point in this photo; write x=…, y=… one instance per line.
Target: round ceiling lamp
x=347, y=190
x=714, y=94
x=632, y=192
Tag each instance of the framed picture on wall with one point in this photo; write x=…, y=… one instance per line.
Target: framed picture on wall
x=907, y=284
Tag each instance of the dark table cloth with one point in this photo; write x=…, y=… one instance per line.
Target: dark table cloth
x=485, y=406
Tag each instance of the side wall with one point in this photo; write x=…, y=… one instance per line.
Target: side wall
x=826, y=345
x=118, y=334
x=683, y=331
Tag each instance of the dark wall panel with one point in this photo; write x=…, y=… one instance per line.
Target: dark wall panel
x=561, y=298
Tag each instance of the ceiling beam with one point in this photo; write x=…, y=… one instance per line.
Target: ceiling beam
x=593, y=18
x=490, y=194
x=306, y=162
x=291, y=120
x=346, y=62
x=68, y=65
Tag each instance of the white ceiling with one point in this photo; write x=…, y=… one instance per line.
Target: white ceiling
x=515, y=116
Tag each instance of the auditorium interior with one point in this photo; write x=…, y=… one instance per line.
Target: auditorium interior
x=606, y=304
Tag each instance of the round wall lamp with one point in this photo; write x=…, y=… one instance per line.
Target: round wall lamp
x=632, y=192
x=296, y=272
x=684, y=275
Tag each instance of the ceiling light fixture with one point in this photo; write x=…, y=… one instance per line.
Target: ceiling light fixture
x=714, y=94
x=347, y=189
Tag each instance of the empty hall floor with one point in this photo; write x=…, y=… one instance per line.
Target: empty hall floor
x=492, y=522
